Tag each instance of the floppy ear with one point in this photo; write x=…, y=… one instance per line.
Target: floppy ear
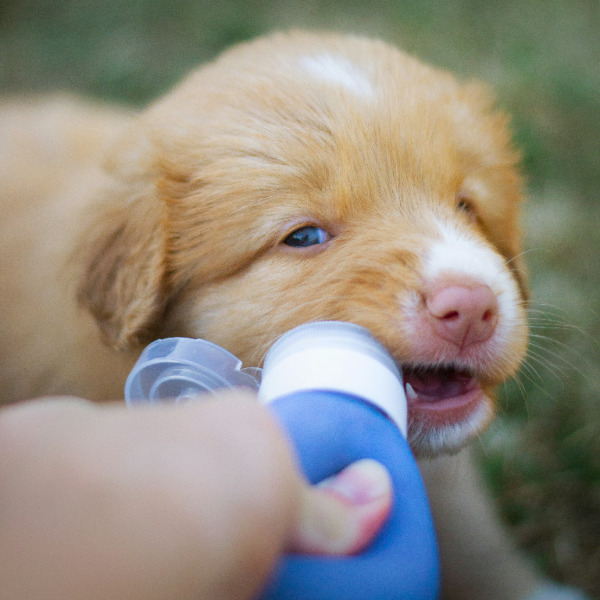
x=122, y=281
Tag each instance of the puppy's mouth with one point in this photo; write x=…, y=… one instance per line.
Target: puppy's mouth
x=444, y=392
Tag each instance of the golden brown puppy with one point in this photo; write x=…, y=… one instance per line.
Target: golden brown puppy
x=300, y=177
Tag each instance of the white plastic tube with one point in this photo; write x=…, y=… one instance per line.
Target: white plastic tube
x=335, y=356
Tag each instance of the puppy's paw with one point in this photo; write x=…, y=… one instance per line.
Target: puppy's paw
x=554, y=591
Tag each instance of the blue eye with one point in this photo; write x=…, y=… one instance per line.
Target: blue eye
x=309, y=235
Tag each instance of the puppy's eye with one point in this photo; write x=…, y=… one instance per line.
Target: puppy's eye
x=465, y=205
x=309, y=235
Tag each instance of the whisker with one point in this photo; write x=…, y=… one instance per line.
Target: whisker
x=523, y=253
x=556, y=321
x=540, y=359
x=535, y=379
x=521, y=386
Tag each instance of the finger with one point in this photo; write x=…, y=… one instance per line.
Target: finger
x=342, y=514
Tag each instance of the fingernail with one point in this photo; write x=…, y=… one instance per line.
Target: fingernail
x=345, y=511
x=361, y=483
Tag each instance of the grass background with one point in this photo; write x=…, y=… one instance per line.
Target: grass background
x=542, y=456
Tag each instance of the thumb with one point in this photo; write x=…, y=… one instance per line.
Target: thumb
x=342, y=514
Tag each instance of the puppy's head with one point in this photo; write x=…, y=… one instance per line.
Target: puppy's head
x=302, y=178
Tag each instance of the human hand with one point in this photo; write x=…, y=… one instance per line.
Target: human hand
x=194, y=501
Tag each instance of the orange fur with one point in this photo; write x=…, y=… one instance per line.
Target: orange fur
x=119, y=229
x=187, y=214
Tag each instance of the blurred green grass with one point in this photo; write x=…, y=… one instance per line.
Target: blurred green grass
x=542, y=456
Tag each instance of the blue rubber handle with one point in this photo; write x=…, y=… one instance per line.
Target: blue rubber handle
x=329, y=431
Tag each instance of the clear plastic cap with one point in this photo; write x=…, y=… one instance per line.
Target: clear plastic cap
x=335, y=356
x=179, y=369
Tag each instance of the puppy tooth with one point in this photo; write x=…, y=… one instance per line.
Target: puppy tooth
x=410, y=393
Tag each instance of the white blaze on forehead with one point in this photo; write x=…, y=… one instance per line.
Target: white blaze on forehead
x=339, y=71
x=458, y=255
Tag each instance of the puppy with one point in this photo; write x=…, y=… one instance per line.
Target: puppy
x=298, y=178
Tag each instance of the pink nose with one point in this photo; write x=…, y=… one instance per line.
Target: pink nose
x=461, y=314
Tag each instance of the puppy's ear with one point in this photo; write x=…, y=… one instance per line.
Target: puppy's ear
x=122, y=281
